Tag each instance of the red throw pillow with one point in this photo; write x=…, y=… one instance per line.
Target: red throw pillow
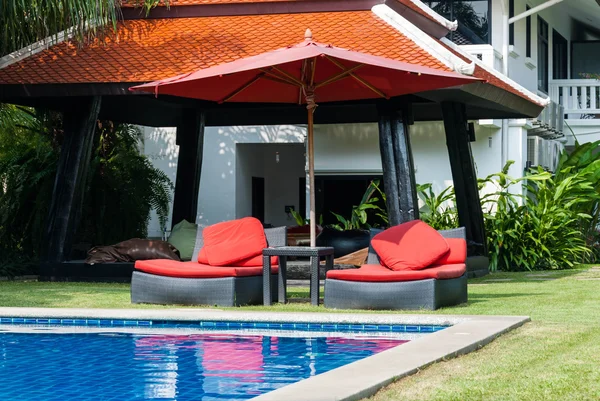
x=457, y=253
x=231, y=241
x=202, y=258
x=413, y=245
x=255, y=261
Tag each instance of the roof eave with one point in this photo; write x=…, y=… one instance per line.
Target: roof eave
x=499, y=102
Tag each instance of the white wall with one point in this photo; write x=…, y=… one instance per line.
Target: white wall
x=249, y=163
x=216, y=201
x=281, y=179
x=347, y=148
x=160, y=147
x=233, y=155
x=522, y=69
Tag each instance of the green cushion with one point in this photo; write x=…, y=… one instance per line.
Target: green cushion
x=183, y=237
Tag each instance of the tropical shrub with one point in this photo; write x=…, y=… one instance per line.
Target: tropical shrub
x=366, y=210
x=439, y=210
x=28, y=156
x=540, y=229
x=540, y=221
x=122, y=188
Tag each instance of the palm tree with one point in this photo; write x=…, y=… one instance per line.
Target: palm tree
x=25, y=22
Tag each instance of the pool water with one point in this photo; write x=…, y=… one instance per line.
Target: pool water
x=49, y=366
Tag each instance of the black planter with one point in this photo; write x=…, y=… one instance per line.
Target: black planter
x=343, y=242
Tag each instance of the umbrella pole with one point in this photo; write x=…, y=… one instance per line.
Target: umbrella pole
x=311, y=179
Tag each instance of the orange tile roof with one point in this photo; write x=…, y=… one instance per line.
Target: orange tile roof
x=138, y=3
x=148, y=50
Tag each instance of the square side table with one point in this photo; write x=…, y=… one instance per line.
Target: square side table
x=283, y=252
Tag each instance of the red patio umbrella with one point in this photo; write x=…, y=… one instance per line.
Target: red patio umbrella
x=306, y=73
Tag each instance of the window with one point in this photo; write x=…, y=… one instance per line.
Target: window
x=473, y=18
x=511, y=27
x=542, y=55
x=527, y=34
x=559, y=56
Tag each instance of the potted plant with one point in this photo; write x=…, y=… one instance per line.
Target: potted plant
x=352, y=234
x=300, y=234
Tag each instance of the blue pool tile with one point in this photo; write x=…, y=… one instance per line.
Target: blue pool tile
x=129, y=367
x=230, y=325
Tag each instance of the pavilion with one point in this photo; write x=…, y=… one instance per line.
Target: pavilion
x=91, y=82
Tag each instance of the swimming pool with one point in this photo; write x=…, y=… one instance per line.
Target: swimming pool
x=448, y=336
x=92, y=359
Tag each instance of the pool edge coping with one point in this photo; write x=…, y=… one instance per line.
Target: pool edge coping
x=350, y=382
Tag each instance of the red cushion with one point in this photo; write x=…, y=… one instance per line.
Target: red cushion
x=378, y=273
x=457, y=253
x=413, y=245
x=202, y=258
x=255, y=261
x=171, y=268
x=232, y=241
x=250, y=262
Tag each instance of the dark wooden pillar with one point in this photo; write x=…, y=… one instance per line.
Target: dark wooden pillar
x=67, y=197
x=464, y=176
x=397, y=164
x=190, y=138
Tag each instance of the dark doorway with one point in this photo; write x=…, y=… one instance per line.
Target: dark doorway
x=258, y=198
x=559, y=56
x=340, y=193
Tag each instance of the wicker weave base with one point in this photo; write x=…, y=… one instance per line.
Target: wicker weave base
x=229, y=291
x=422, y=294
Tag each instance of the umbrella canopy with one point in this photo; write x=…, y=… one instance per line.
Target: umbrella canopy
x=306, y=73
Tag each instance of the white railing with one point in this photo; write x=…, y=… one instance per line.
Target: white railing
x=486, y=53
x=577, y=96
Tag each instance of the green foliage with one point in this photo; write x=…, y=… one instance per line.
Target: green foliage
x=438, y=210
x=25, y=22
x=540, y=221
x=301, y=221
x=541, y=229
x=28, y=158
x=122, y=188
x=360, y=213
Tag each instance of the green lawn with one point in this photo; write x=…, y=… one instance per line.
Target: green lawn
x=555, y=357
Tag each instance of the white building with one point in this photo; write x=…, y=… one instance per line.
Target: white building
x=261, y=170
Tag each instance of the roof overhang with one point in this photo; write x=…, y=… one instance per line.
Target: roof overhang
x=483, y=101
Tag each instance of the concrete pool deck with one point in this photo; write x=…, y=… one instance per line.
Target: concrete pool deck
x=350, y=382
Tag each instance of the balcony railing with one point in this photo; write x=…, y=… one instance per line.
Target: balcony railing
x=485, y=53
x=579, y=97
